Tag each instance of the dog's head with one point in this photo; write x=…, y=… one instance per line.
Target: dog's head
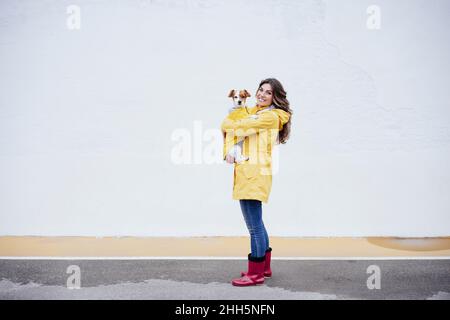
x=239, y=97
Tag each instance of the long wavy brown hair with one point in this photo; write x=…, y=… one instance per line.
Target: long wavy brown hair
x=280, y=102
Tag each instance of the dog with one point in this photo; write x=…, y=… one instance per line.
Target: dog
x=239, y=101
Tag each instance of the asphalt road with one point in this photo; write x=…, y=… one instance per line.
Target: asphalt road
x=210, y=279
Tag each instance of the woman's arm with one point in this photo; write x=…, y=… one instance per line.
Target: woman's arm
x=249, y=126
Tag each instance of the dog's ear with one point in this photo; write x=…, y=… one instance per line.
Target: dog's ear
x=231, y=94
x=247, y=94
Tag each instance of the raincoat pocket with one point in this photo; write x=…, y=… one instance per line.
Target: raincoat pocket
x=250, y=171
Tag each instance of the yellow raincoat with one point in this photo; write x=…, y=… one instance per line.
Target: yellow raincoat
x=259, y=129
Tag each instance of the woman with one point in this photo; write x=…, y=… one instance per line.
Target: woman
x=268, y=123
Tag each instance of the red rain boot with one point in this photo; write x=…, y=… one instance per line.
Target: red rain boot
x=254, y=275
x=267, y=270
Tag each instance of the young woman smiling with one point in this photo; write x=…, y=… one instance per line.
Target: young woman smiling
x=268, y=123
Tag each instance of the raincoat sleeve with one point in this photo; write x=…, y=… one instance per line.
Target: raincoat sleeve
x=249, y=126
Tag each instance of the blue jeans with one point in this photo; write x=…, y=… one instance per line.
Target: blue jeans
x=259, y=239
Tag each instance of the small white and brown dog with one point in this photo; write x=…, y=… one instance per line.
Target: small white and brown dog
x=239, y=101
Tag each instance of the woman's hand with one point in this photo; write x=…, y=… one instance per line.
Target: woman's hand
x=230, y=159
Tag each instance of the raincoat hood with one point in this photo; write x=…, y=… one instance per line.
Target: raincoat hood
x=283, y=116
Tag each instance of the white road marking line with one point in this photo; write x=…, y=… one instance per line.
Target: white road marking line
x=224, y=258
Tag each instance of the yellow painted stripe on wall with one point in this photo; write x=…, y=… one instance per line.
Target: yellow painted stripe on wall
x=31, y=246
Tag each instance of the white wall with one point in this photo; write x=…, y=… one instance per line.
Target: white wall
x=87, y=116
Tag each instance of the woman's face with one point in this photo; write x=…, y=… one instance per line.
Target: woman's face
x=264, y=95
